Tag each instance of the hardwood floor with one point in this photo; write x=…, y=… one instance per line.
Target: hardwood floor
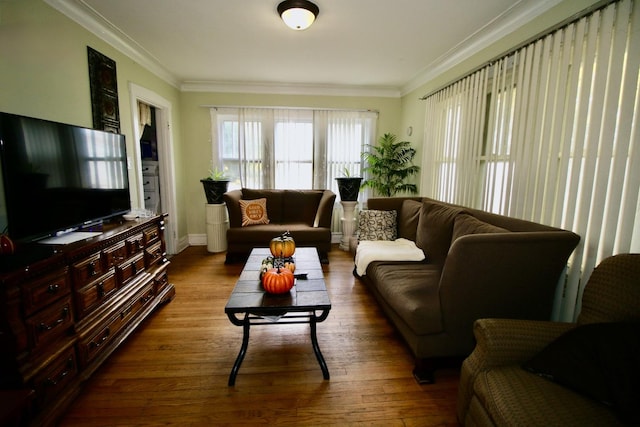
x=174, y=370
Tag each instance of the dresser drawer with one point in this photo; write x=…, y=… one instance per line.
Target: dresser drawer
x=161, y=281
x=50, y=322
x=49, y=383
x=151, y=234
x=153, y=254
x=87, y=270
x=130, y=268
x=95, y=293
x=135, y=244
x=150, y=183
x=115, y=254
x=98, y=340
x=45, y=290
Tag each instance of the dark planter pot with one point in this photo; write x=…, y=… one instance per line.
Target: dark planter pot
x=214, y=190
x=349, y=188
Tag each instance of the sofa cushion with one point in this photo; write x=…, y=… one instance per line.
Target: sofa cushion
x=408, y=217
x=600, y=360
x=274, y=201
x=514, y=397
x=435, y=228
x=300, y=206
x=411, y=290
x=377, y=225
x=468, y=224
x=254, y=212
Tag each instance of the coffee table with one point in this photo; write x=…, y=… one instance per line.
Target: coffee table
x=307, y=302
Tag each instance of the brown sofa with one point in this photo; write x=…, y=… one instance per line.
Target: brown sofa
x=477, y=265
x=306, y=214
x=595, y=356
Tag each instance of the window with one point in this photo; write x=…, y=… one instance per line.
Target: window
x=290, y=148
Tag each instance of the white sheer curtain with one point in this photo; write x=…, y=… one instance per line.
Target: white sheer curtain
x=294, y=148
x=550, y=133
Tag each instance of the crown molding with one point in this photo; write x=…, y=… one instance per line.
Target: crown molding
x=289, y=89
x=500, y=27
x=91, y=20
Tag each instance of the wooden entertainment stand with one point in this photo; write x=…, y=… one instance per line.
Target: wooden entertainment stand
x=63, y=315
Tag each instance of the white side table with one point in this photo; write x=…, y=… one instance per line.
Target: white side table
x=348, y=223
x=217, y=225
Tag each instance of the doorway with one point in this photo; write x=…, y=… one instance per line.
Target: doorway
x=155, y=159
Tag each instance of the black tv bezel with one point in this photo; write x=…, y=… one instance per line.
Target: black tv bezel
x=72, y=225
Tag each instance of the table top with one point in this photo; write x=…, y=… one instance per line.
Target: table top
x=249, y=296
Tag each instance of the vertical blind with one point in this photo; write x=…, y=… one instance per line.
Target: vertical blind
x=549, y=133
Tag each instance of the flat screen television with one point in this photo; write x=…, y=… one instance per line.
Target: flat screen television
x=59, y=177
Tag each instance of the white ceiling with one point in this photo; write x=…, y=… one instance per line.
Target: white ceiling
x=384, y=46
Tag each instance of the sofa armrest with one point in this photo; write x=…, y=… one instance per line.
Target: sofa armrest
x=232, y=200
x=503, y=342
x=505, y=275
x=325, y=209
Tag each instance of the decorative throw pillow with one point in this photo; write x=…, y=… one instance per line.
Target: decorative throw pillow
x=600, y=360
x=254, y=212
x=377, y=225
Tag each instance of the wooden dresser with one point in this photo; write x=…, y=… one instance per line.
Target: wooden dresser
x=63, y=313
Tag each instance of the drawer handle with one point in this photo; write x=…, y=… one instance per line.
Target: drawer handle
x=133, y=268
x=126, y=312
x=147, y=298
x=100, y=289
x=105, y=336
x=50, y=382
x=53, y=288
x=91, y=268
x=44, y=327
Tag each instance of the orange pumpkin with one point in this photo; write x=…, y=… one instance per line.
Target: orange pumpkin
x=278, y=280
x=282, y=246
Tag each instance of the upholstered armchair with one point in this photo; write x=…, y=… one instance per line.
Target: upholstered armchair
x=496, y=389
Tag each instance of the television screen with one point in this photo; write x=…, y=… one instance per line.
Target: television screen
x=59, y=177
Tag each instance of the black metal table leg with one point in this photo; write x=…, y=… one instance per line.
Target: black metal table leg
x=243, y=350
x=316, y=347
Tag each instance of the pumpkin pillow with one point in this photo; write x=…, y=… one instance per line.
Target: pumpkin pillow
x=254, y=212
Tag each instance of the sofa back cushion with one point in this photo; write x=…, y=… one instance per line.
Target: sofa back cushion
x=435, y=228
x=408, y=217
x=467, y=224
x=300, y=206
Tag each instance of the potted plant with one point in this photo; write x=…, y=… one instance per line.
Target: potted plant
x=389, y=165
x=215, y=185
x=348, y=186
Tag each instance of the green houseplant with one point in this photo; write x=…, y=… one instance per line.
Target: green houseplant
x=215, y=185
x=389, y=166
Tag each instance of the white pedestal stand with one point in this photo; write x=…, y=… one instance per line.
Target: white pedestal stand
x=348, y=223
x=217, y=224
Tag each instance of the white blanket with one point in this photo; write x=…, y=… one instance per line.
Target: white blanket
x=385, y=250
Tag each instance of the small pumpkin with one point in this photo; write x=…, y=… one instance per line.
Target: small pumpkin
x=278, y=280
x=290, y=265
x=7, y=247
x=282, y=246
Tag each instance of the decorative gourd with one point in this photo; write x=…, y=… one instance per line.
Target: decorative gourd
x=278, y=280
x=282, y=246
x=290, y=265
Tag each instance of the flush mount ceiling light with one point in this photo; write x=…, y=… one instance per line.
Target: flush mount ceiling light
x=298, y=14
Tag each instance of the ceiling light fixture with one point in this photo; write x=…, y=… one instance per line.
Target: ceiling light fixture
x=298, y=14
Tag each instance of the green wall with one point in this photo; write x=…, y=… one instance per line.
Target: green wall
x=43, y=64
x=196, y=124
x=44, y=73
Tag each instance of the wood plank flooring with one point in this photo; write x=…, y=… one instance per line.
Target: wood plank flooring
x=174, y=370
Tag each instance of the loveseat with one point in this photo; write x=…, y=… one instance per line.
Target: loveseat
x=477, y=264
x=528, y=373
x=306, y=214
